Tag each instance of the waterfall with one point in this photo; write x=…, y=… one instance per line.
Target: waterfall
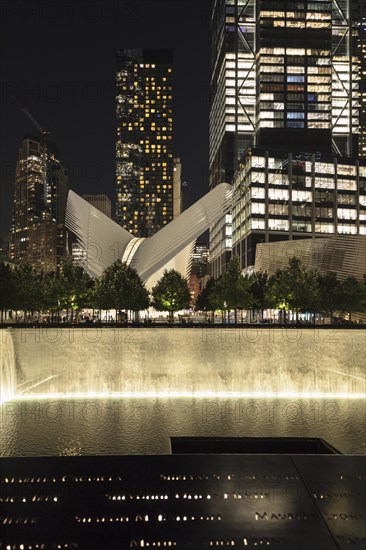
x=7, y=367
x=186, y=362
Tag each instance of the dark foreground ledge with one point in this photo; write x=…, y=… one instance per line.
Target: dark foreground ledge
x=288, y=501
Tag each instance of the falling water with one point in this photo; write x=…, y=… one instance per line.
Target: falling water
x=232, y=382
x=174, y=362
x=7, y=367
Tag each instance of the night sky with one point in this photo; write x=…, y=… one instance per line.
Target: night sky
x=58, y=59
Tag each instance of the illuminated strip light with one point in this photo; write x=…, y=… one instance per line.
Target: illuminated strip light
x=348, y=375
x=41, y=382
x=172, y=394
x=131, y=249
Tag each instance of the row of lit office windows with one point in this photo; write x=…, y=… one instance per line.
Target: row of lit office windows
x=282, y=23
x=294, y=78
x=310, y=13
x=305, y=62
x=294, y=124
x=299, y=226
x=279, y=106
x=293, y=70
x=304, y=210
x=283, y=210
x=295, y=52
x=319, y=167
x=320, y=183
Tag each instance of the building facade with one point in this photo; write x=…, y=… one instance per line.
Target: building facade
x=288, y=197
x=344, y=255
x=306, y=70
x=233, y=102
x=38, y=233
x=144, y=147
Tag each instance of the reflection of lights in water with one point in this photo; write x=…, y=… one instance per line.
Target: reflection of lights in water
x=197, y=395
x=72, y=448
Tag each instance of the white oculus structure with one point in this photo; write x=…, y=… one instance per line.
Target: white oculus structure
x=103, y=241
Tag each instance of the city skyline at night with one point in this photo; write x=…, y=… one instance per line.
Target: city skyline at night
x=183, y=276
x=71, y=89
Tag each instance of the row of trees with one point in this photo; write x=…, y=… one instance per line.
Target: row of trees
x=294, y=288
x=72, y=289
x=120, y=288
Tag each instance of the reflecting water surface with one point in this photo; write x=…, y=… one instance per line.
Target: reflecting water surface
x=143, y=426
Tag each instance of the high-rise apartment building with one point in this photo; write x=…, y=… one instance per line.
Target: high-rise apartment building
x=300, y=58
x=144, y=147
x=41, y=185
x=101, y=202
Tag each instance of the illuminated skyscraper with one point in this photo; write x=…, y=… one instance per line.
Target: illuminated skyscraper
x=362, y=54
x=38, y=222
x=285, y=81
x=144, y=147
x=233, y=101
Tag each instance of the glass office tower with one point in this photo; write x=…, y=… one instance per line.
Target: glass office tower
x=306, y=72
x=362, y=55
x=233, y=103
x=144, y=147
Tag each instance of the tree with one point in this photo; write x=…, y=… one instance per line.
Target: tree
x=236, y=287
x=171, y=293
x=52, y=293
x=203, y=302
x=351, y=296
x=259, y=288
x=7, y=288
x=328, y=293
x=28, y=294
x=139, y=295
x=363, y=301
x=279, y=291
x=120, y=288
x=216, y=297
x=75, y=286
x=309, y=298
x=295, y=288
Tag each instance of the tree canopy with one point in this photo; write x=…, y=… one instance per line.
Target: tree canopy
x=293, y=288
x=120, y=288
x=171, y=293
